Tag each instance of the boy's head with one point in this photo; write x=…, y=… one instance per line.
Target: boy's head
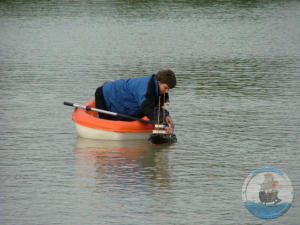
x=166, y=80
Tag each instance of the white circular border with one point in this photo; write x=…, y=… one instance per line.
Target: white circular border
x=289, y=195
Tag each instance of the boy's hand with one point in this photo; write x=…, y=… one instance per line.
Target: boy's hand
x=170, y=129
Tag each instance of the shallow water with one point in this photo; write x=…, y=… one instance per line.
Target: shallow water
x=236, y=109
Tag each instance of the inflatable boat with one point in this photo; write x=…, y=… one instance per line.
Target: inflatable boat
x=88, y=125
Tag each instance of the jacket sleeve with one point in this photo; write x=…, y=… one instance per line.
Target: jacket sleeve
x=150, y=104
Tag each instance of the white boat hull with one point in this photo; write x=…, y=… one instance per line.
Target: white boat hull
x=92, y=133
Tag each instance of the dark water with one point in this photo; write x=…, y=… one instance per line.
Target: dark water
x=236, y=109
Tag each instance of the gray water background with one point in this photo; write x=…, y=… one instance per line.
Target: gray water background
x=236, y=109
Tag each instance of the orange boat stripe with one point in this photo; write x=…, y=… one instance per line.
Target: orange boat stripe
x=90, y=119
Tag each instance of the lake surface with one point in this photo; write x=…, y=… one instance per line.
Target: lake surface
x=236, y=109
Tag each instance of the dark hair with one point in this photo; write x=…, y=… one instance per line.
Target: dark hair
x=166, y=77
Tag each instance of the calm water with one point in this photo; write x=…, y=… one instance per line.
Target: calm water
x=236, y=109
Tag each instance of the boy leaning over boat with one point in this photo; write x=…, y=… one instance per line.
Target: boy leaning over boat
x=137, y=97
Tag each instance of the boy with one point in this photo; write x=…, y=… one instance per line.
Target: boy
x=137, y=97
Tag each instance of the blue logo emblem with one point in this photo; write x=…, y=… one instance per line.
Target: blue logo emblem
x=267, y=193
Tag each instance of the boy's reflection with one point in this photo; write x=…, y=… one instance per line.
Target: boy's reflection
x=122, y=162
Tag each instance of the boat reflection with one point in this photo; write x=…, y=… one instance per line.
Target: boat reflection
x=119, y=162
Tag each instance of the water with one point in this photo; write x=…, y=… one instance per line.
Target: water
x=236, y=109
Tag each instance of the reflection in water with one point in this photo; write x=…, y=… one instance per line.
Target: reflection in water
x=122, y=162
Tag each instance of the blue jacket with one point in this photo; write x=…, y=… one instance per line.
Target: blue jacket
x=134, y=97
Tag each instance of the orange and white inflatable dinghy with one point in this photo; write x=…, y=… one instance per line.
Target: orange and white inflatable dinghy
x=88, y=125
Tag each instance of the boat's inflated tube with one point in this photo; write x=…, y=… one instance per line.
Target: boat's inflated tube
x=91, y=120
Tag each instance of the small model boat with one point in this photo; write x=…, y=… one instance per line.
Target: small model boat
x=163, y=138
x=159, y=134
